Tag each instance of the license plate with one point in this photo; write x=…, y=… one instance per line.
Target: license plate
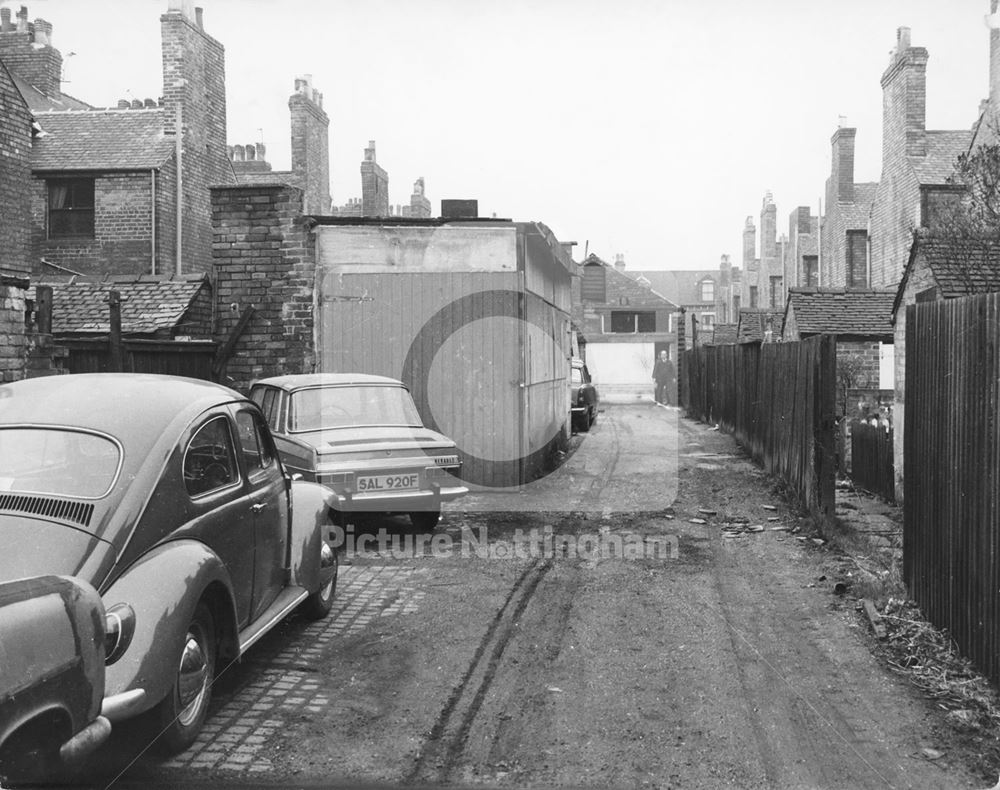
x=374, y=483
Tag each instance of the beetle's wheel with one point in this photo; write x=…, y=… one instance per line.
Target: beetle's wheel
x=181, y=713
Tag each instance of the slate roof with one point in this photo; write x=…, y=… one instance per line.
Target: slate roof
x=621, y=286
x=724, y=334
x=40, y=102
x=943, y=148
x=960, y=267
x=101, y=140
x=753, y=323
x=842, y=311
x=856, y=214
x=150, y=304
x=680, y=286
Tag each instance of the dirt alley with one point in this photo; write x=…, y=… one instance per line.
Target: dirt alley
x=732, y=664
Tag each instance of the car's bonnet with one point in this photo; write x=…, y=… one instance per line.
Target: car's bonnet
x=35, y=546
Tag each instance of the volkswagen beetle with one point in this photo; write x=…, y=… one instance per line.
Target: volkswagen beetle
x=166, y=495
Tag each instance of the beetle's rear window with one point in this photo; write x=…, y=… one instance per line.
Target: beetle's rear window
x=57, y=462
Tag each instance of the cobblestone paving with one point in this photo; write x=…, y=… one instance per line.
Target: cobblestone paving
x=234, y=737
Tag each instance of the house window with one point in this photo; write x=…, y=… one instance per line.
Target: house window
x=708, y=320
x=593, y=287
x=71, y=207
x=630, y=322
x=776, y=298
x=857, y=259
x=753, y=296
x=707, y=291
x=810, y=271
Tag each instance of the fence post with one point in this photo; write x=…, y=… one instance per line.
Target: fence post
x=116, y=362
x=681, y=367
x=825, y=427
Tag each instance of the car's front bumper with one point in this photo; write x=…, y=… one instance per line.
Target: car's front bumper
x=85, y=741
x=118, y=707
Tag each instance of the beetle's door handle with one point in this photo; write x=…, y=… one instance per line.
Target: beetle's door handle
x=258, y=507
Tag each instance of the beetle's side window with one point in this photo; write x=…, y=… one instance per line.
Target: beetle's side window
x=210, y=462
x=254, y=442
x=269, y=404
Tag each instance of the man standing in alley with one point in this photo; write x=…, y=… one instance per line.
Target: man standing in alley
x=663, y=373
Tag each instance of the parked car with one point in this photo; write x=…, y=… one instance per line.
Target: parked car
x=167, y=495
x=362, y=437
x=51, y=675
x=583, y=396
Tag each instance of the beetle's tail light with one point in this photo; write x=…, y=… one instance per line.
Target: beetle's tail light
x=119, y=626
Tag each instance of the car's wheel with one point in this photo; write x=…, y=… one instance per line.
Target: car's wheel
x=593, y=415
x=318, y=604
x=180, y=715
x=583, y=424
x=425, y=520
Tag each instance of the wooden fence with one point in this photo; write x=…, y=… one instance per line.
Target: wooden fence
x=951, y=481
x=172, y=357
x=777, y=399
x=872, y=459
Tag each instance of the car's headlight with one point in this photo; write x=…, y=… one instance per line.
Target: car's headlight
x=119, y=626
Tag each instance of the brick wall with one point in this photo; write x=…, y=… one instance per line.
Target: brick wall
x=15, y=175
x=264, y=257
x=13, y=343
x=920, y=279
x=311, y=146
x=194, y=85
x=122, y=227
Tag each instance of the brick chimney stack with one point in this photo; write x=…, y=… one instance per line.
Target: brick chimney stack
x=904, y=100
x=374, y=186
x=749, y=245
x=27, y=52
x=842, y=170
x=310, y=145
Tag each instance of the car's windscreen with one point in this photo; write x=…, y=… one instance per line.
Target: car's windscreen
x=341, y=407
x=576, y=376
x=57, y=462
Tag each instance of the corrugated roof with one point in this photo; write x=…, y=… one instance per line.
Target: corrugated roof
x=101, y=140
x=149, y=304
x=943, y=148
x=754, y=322
x=842, y=311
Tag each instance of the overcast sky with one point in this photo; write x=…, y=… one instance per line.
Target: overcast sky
x=651, y=128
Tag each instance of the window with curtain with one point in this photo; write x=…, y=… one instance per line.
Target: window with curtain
x=71, y=207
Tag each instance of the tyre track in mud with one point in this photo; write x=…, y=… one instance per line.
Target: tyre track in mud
x=447, y=737
x=446, y=747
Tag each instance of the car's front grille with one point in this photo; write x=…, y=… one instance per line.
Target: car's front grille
x=60, y=509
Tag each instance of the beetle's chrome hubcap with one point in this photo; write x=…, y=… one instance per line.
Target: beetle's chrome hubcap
x=192, y=678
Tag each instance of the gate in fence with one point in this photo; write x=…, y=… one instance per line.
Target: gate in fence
x=872, y=459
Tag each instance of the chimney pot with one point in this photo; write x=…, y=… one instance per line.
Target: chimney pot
x=124, y=104
x=5, y=25
x=136, y=104
x=198, y=18
x=150, y=103
x=261, y=152
x=902, y=39
x=251, y=152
